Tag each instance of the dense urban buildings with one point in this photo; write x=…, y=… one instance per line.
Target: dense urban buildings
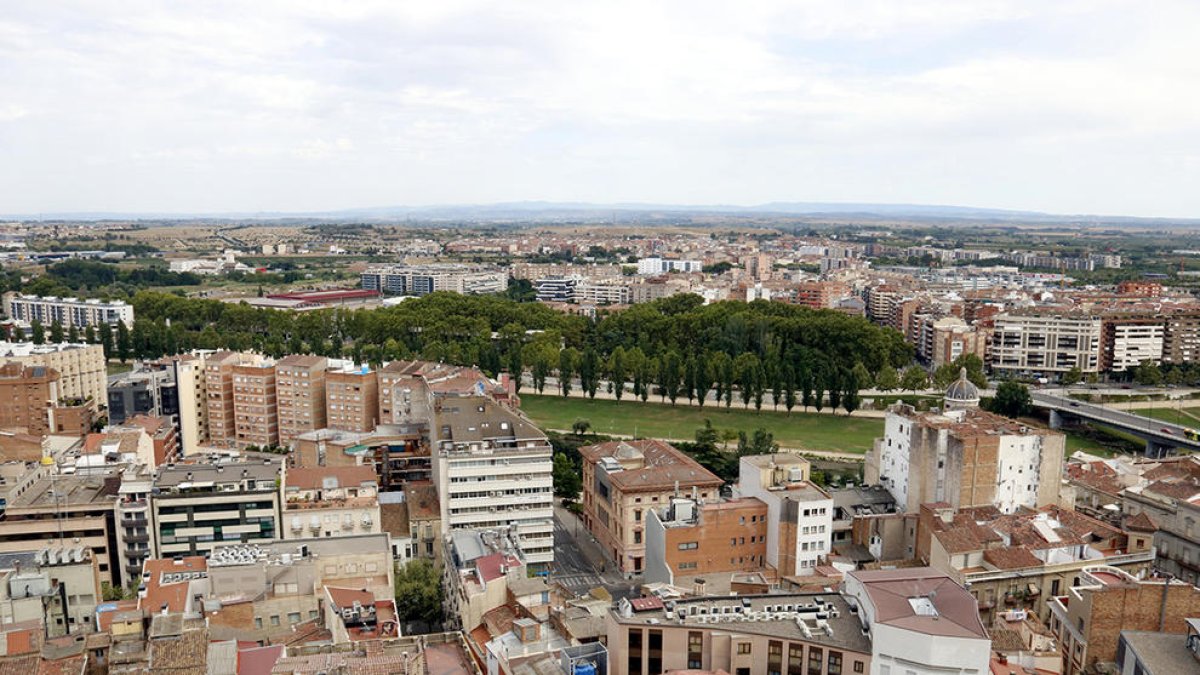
x=424, y=279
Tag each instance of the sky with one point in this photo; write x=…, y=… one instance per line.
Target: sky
x=1069, y=106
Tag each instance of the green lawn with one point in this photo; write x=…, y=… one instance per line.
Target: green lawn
x=1172, y=415
x=656, y=420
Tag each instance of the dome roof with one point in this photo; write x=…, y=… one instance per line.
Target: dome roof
x=962, y=391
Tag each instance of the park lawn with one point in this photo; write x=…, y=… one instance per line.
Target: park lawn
x=1173, y=415
x=656, y=420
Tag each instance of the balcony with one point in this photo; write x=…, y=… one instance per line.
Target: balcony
x=133, y=521
x=137, y=538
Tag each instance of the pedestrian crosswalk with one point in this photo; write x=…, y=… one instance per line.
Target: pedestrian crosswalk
x=581, y=582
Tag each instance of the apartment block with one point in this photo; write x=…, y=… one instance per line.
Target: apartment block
x=1045, y=343
x=690, y=538
x=1089, y=616
x=492, y=467
x=300, y=395
x=425, y=279
x=134, y=530
x=1168, y=504
x=1181, y=339
x=190, y=385
x=965, y=456
x=1127, y=341
x=623, y=481
x=199, y=506
x=67, y=510
x=67, y=311
x=56, y=586
x=329, y=502
x=143, y=392
x=654, y=266
x=28, y=395
x=799, y=513
x=218, y=390
x=255, y=411
x=601, y=292
x=82, y=369
x=813, y=634
x=944, y=339
x=352, y=398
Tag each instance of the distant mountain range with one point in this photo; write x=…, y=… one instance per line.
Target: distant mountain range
x=629, y=212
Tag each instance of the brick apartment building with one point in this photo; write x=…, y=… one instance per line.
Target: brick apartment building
x=300, y=395
x=688, y=539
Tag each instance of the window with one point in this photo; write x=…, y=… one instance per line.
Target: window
x=258, y=622
x=637, y=536
x=695, y=650
x=1054, y=587
x=774, y=658
x=743, y=648
x=795, y=659
x=294, y=617
x=275, y=620
x=635, y=651
x=687, y=565
x=858, y=666
x=834, y=666
x=689, y=546
x=654, y=663
x=637, y=515
x=815, y=657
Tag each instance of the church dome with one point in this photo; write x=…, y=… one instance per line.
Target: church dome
x=962, y=393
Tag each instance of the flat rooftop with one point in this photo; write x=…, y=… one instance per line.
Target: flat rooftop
x=66, y=491
x=783, y=620
x=202, y=475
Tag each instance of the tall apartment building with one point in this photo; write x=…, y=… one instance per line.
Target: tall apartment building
x=218, y=395
x=67, y=311
x=492, y=468
x=799, y=513
x=197, y=507
x=1128, y=340
x=28, y=395
x=424, y=279
x=255, y=411
x=1045, y=343
x=300, y=395
x=1089, y=616
x=82, y=368
x=352, y=398
x=623, y=480
x=188, y=371
x=965, y=457
x=1181, y=339
x=820, y=294
x=941, y=340
x=601, y=292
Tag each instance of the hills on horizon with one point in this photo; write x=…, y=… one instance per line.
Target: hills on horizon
x=628, y=212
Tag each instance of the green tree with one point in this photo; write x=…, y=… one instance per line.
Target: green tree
x=419, y=593
x=89, y=335
x=617, y=373
x=516, y=368
x=589, y=372
x=703, y=379
x=73, y=334
x=789, y=387
x=851, y=399
x=39, y=332
x=1073, y=376
x=568, y=481
x=580, y=426
x=566, y=370
x=749, y=373
x=761, y=442
x=1012, y=400
x=671, y=375
x=1148, y=373
x=56, y=332
x=18, y=334
x=887, y=379
x=124, y=342
x=861, y=377
x=914, y=379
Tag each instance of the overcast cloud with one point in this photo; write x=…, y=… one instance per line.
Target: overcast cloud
x=1070, y=106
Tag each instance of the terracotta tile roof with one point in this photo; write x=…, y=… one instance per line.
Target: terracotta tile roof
x=1140, y=523
x=20, y=665
x=1011, y=558
x=258, y=660
x=393, y=519
x=174, y=595
x=1004, y=640
x=661, y=466
x=499, y=620
x=890, y=591
x=72, y=665
x=185, y=654
x=489, y=566
x=313, y=478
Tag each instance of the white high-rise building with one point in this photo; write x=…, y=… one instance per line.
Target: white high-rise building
x=67, y=311
x=493, y=469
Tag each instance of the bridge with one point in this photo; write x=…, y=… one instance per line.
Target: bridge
x=1160, y=437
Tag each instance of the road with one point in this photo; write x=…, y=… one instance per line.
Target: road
x=578, y=563
x=1158, y=431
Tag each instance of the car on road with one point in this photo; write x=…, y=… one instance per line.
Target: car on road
x=1074, y=404
x=1166, y=430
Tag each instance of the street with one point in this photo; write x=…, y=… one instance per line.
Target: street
x=578, y=562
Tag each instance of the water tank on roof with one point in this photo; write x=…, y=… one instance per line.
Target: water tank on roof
x=586, y=668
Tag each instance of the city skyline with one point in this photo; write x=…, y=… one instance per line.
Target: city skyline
x=1077, y=108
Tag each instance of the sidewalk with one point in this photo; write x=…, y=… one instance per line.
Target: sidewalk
x=585, y=542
